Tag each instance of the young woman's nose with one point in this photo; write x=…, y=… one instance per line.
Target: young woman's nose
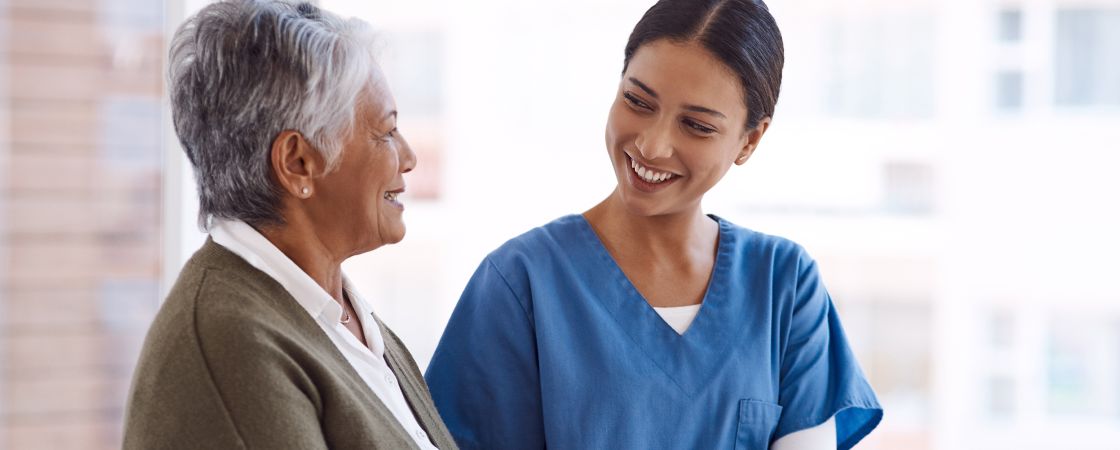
x=655, y=142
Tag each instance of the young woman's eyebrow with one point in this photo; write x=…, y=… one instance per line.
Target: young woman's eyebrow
x=701, y=109
x=643, y=87
x=693, y=108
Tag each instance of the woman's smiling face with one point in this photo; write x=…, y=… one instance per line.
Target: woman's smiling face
x=676, y=126
x=358, y=201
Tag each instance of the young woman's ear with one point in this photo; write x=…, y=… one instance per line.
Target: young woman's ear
x=753, y=137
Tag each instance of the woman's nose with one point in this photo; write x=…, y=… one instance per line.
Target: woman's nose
x=655, y=142
x=407, y=157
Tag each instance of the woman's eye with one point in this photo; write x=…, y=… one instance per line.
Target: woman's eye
x=391, y=134
x=634, y=101
x=698, y=128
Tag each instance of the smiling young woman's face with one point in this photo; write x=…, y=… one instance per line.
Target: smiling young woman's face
x=676, y=126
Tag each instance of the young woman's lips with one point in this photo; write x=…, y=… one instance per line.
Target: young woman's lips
x=643, y=185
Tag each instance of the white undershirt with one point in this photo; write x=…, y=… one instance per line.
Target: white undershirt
x=369, y=362
x=820, y=437
x=678, y=317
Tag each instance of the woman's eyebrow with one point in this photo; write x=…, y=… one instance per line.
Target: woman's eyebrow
x=701, y=109
x=385, y=119
x=693, y=108
x=643, y=87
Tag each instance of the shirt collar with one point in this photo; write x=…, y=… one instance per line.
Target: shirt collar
x=364, y=311
x=248, y=243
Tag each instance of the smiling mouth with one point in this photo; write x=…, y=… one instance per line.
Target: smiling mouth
x=392, y=198
x=650, y=175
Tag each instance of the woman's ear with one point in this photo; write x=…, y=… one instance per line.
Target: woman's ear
x=295, y=163
x=753, y=137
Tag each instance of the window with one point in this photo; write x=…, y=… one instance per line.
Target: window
x=1000, y=397
x=1009, y=90
x=1010, y=25
x=880, y=66
x=1087, y=69
x=1083, y=366
x=1001, y=330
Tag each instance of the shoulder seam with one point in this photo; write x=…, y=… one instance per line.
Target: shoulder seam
x=520, y=302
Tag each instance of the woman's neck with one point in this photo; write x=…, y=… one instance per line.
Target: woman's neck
x=300, y=243
x=667, y=236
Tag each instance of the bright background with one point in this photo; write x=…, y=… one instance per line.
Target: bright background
x=951, y=164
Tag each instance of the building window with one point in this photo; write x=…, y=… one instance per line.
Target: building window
x=1001, y=330
x=1010, y=25
x=1082, y=366
x=1001, y=397
x=1009, y=90
x=1087, y=69
x=881, y=65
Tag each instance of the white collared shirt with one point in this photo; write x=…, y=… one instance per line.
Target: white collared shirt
x=246, y=242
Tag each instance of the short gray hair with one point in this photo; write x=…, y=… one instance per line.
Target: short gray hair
x=242, y=71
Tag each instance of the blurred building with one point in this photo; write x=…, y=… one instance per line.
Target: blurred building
x=951, y=166
x=80, y=168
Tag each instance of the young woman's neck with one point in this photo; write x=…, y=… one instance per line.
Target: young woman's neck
x=673, y=234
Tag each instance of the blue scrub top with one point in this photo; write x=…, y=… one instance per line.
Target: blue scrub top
x=552, y=346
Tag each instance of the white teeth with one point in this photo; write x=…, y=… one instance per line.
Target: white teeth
x=391, y=196
x=649, y=175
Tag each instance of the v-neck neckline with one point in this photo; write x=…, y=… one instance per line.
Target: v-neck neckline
x=689, y=359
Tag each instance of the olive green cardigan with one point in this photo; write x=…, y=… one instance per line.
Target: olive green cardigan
x=232, y=361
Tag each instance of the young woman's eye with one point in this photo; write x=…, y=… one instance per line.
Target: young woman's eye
x=698, y=128
x=634, y=101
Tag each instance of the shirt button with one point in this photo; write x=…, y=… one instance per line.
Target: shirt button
x=389, y=379
x=420, y=435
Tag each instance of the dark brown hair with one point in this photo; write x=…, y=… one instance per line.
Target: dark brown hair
x=740, y=33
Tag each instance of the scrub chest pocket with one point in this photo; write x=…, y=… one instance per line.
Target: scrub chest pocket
x=757, y=421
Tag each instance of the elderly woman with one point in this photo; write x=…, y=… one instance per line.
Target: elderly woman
x=262, y=343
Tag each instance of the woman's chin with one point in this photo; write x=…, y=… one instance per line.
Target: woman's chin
x=393, y=234
x=640, y=205
x=380, y=237
x=395, y=239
